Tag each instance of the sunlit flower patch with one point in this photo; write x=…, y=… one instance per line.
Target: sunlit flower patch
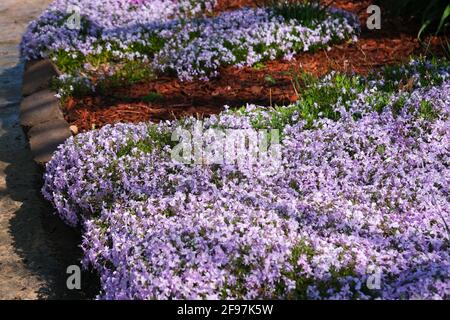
x=180, y=37
x=359, y=210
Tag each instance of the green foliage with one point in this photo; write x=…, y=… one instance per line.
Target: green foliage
x=318, y=98
x=152, y=97
x=239, y=52
x=68, y=61
x=124, y=70
x=302, y=249
x=305, y=12
x=270, y=80
x=433, y=14
x=155, y=140
x=397, y=75
x=130, y=72
x=259, y=66
x=426, y=111
x=155, y=44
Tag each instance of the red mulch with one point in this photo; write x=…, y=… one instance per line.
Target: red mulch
x=394, y=43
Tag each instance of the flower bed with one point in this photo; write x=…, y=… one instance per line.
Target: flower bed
x=363, y=187
x=147, y=37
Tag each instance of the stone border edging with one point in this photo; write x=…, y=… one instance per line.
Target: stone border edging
x=40, y=111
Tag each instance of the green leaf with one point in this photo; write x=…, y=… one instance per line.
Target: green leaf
x=443, y=18
x=424, y=27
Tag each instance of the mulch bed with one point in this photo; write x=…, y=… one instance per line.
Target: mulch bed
x=394, y=43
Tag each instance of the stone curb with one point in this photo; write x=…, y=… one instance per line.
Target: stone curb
x=37, y=76
x=40, y=111
x=46, y=137
x=39, y=107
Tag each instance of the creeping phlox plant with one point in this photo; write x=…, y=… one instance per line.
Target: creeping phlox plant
x=181, y=37
x=363, y=194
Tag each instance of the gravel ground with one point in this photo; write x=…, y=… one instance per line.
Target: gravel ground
x=35, y=247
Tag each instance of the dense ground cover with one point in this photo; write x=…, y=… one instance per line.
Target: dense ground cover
x=133, y=97
x=362, y=190
x=142, y=38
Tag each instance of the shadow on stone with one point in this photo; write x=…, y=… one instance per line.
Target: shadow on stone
x=46, y=245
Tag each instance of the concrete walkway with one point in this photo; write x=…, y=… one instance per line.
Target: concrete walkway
x=35, y=247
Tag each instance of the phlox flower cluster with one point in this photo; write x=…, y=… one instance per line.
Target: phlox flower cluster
x=175, y=36
x=356, y=194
